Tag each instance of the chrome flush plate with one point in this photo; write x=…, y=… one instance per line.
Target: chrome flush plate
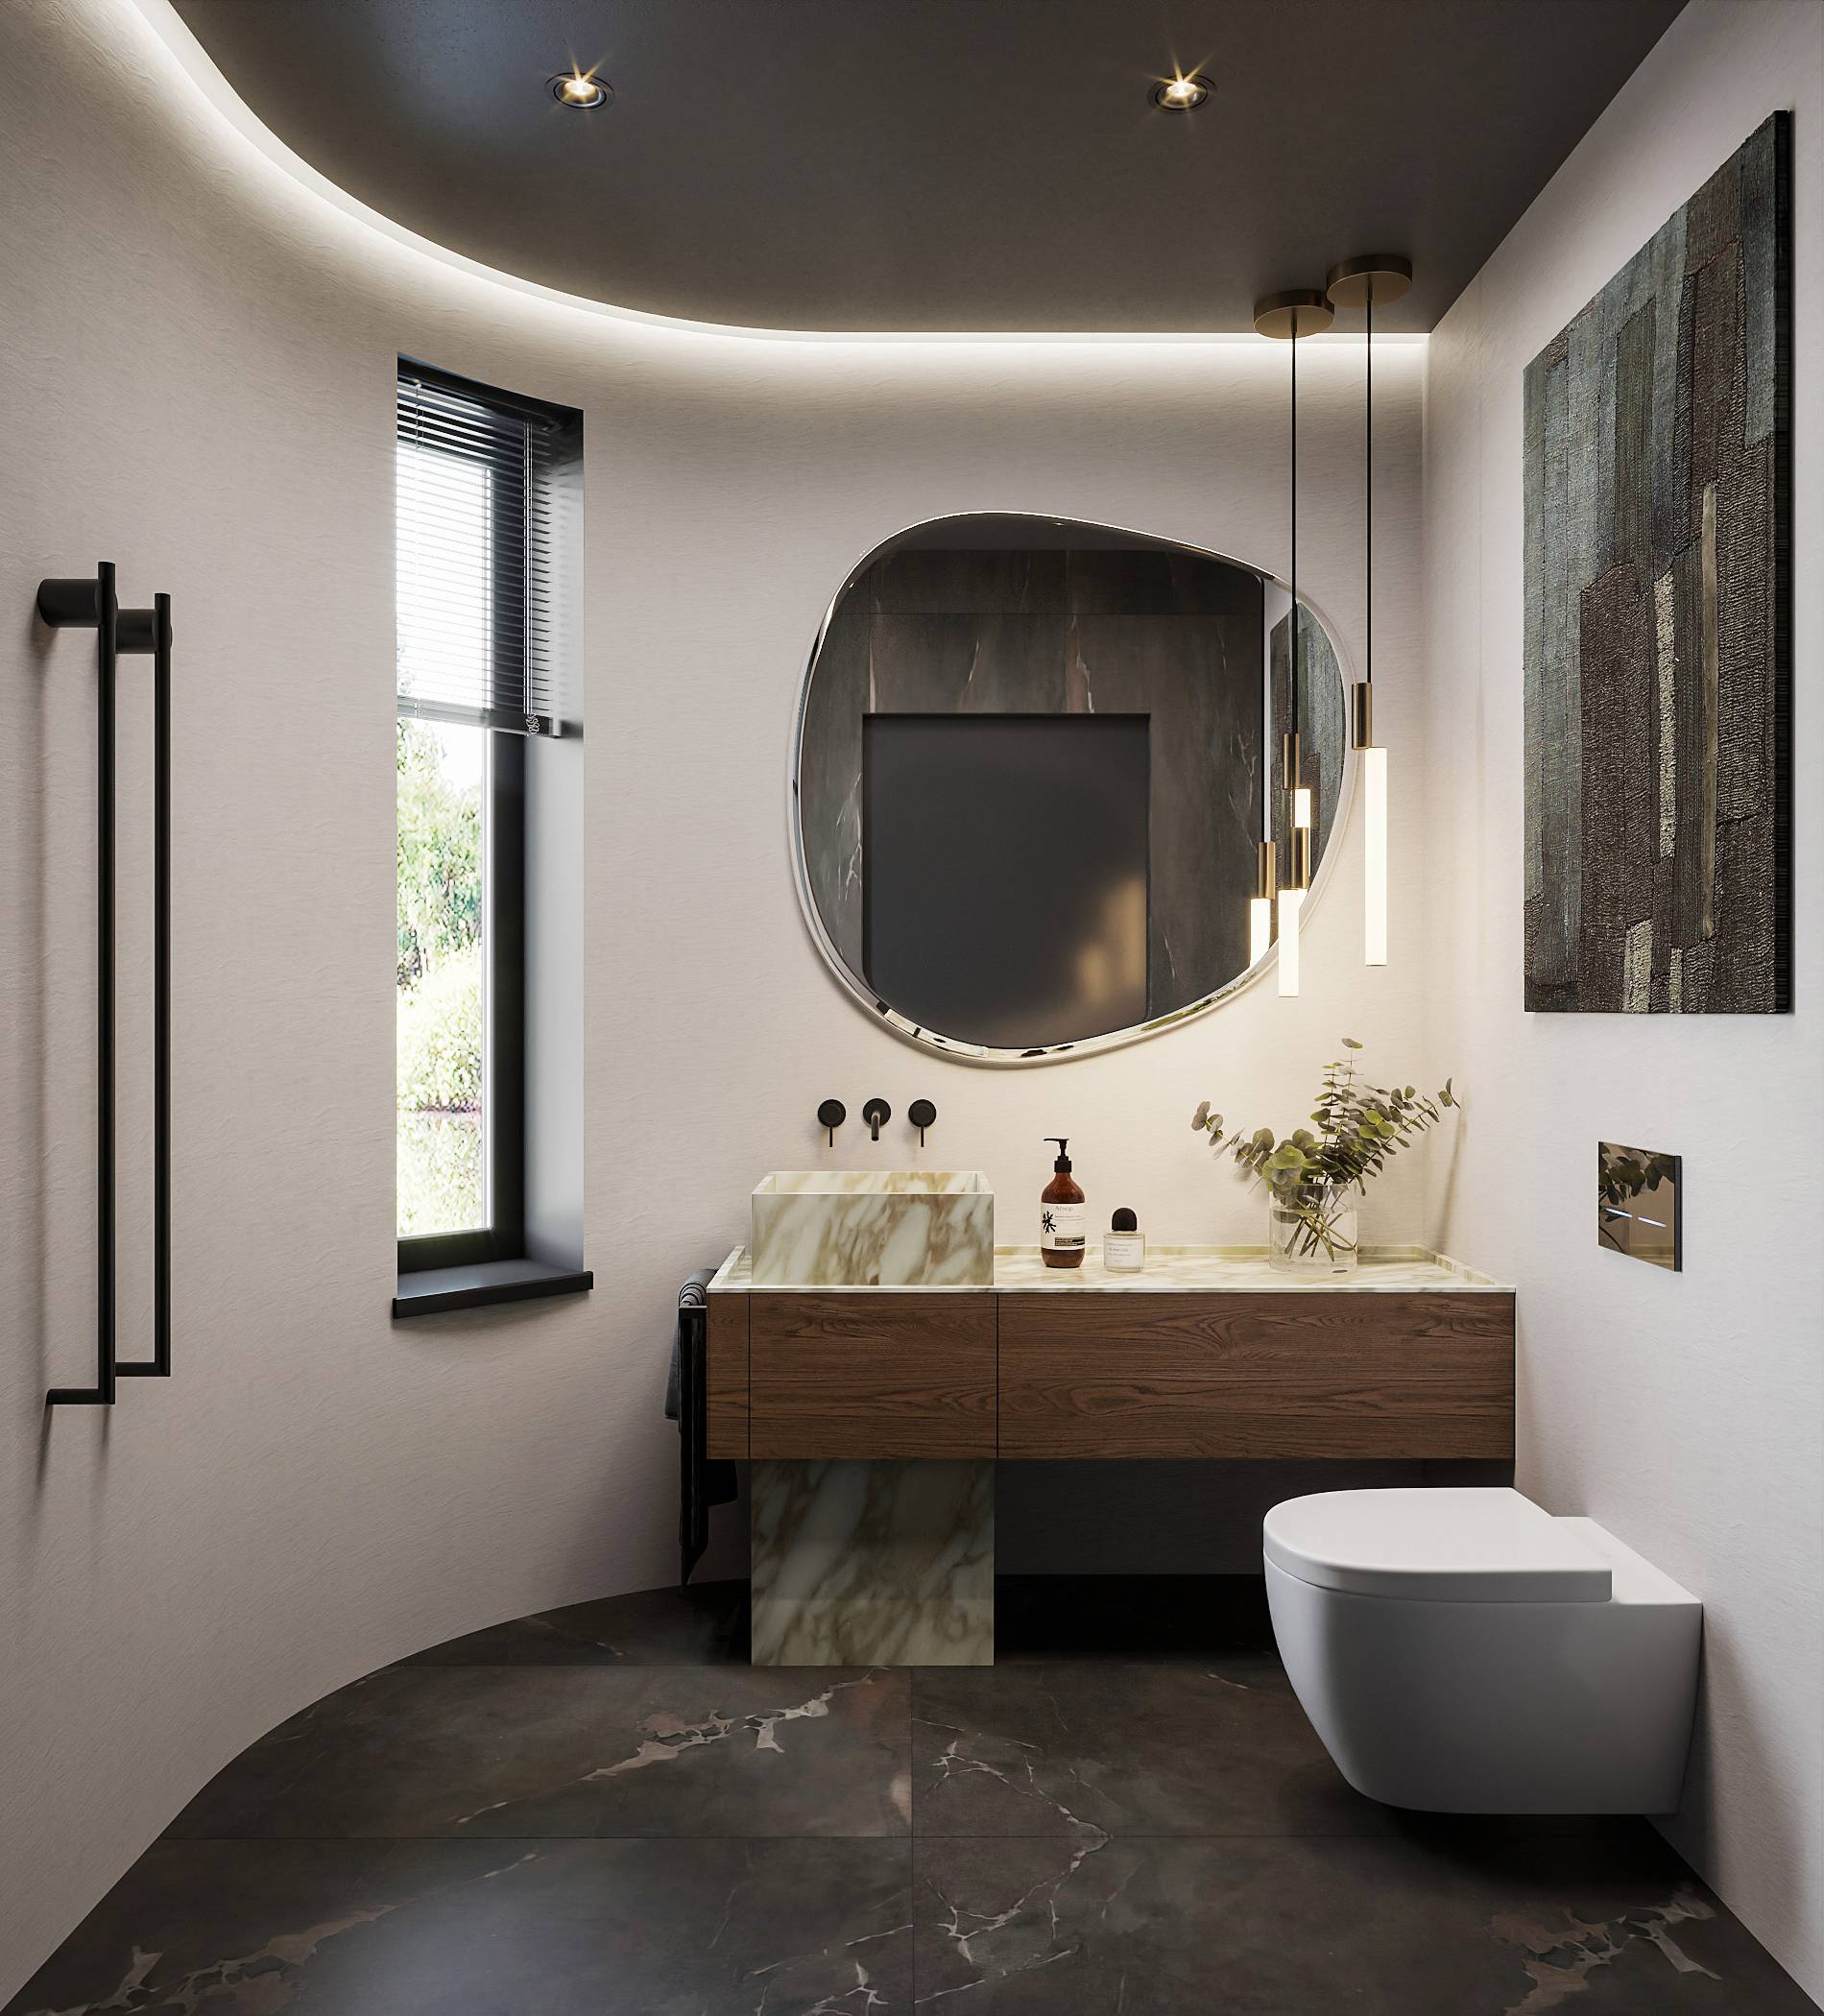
x=1637, y=1204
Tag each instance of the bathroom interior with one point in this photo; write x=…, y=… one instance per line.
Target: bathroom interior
x=1025, y=1296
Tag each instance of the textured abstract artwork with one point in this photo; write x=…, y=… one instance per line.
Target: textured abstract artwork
x=1657, y=647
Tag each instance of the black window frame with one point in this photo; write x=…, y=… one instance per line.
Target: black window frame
x=504, y=899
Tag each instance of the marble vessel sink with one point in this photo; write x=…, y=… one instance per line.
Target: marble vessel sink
x=874, y=1229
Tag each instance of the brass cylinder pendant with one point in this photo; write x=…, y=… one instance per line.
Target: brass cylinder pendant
x=1266, y=870
x=1291, y=766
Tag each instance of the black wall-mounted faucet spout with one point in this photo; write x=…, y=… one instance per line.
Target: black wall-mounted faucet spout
x=877, y=1112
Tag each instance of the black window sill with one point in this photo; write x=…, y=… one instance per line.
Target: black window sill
x=436, y=1290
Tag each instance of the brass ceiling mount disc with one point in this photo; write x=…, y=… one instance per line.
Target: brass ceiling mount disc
x=1300, y=312
x=1379, y=278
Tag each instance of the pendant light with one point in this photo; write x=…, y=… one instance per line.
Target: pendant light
x=1286, y=316
x=1363, y=282
x=1261, y=903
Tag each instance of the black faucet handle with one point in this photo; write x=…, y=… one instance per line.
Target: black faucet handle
x=830, y=1115
x=877, y=1114
x=921, y=1114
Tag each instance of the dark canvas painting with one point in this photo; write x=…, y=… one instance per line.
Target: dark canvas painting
x=1657, y=649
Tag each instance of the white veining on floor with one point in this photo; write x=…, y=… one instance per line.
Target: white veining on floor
x=1562, y=1960
x=837, y=2001
x=271, y=1976
x=667, y=1737
x=1032, y=1942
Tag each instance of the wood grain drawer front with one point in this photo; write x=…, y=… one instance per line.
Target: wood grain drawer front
x=1328, y=1374
x=881, y=1375
x=728, y=1377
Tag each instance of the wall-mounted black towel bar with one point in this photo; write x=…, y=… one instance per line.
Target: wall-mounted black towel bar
x=93, y=603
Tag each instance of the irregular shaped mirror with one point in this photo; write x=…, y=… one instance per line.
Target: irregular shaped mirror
x=1035, y=759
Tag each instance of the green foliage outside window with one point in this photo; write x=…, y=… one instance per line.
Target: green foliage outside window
x=441, y=1000
x=439, y=856
x=440, y=1033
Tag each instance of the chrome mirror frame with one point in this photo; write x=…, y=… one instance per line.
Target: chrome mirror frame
x=880, y=1011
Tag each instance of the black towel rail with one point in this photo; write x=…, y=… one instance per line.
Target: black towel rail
x=93, y=602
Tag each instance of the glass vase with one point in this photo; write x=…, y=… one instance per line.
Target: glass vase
x=1313, y=1232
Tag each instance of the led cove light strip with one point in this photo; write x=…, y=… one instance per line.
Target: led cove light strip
x=119, y=21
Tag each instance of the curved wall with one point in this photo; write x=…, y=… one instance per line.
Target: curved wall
x=196, y=381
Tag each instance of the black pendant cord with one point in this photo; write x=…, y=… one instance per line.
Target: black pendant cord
x=1290, y=780
x=1368, y=512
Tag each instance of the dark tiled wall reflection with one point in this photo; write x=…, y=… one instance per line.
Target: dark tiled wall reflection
x=1176, y=635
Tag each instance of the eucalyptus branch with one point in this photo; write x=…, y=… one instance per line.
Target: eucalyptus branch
x=1359, y=1129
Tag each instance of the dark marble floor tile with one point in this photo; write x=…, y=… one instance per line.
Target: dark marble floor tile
x=1097, y=1748
x=505, y=1751
x=1393, y=1927
x=1141, y=1835
x=1130, y=1617
x=712, y=1927
x=706, y=1624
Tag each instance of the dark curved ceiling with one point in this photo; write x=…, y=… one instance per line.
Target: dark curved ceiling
x=941, y=164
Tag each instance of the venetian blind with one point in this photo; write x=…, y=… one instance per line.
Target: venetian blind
x=477, y=502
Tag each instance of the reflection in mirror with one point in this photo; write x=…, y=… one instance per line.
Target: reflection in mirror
x=1052, y=940
x=1034, y=764
x=1637, y=1204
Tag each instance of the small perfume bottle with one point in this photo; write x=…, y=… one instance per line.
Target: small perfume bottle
x=1124, y=1244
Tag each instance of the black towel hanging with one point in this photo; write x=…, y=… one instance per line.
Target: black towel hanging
x=701, y=1481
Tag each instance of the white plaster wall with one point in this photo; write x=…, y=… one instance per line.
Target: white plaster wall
x=1685, y=1411
x=196, y=380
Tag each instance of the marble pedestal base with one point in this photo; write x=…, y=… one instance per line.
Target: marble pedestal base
x=872, y=1564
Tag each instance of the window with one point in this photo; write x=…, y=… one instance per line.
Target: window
x=476, y=483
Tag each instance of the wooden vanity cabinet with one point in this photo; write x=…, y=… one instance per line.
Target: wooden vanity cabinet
x=1285, y=1375
x=871, y=1374
x=725, y=1362
x=1034, y=1375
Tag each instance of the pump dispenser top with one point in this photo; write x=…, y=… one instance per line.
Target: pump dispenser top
x=1062, y=1162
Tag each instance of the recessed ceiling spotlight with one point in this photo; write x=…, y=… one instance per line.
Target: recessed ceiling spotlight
x=580, y=88
x=1179, y=94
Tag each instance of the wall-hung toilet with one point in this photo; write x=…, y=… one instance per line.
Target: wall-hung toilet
x=1464, y=1652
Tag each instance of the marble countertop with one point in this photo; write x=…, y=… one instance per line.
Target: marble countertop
x=1403, y=1270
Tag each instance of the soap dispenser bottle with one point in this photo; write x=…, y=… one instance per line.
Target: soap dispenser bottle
x=1064, y=1235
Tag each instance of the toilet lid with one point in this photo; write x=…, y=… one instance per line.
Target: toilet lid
x=1439, y=1545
